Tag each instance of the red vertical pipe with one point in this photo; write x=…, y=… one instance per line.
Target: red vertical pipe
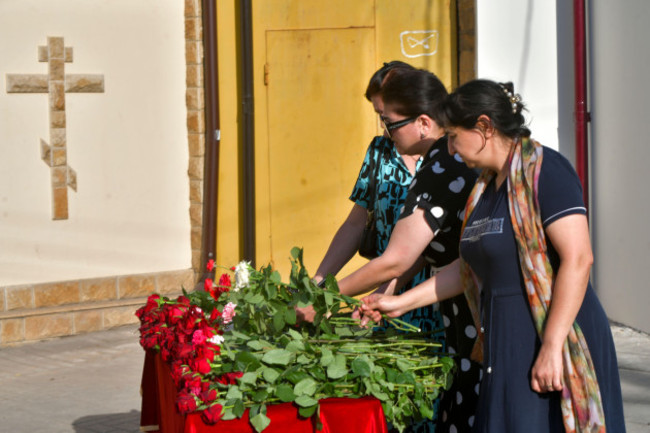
x=581, y=113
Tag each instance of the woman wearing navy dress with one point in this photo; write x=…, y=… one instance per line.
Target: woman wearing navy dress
x=549, y=362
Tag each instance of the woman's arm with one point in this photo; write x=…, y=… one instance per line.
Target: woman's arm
x=344, y=244
x=410, y=237
x=570, y=238
x=444, y=285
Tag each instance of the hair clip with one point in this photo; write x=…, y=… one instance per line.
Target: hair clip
x=514, y=99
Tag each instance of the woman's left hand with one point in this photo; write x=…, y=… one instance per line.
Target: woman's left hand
x=546, y=375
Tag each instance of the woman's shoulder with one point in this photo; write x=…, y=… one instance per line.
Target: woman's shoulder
x=380, y=144
x=554, y=161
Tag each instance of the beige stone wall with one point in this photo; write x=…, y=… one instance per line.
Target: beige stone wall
x=96, y=101
x=39, y=311
x=117, y=92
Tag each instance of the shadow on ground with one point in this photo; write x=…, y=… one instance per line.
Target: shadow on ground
x=128, y=422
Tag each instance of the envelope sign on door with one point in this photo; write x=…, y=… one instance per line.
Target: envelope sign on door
x=418, y=43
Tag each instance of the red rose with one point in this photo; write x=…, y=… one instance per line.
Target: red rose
x=209, y=395
x=201, y=365
x=215, y=315
x=208, y=285
x=230, y=378
x=225, y=280
x=210, y=265
x=185, y=402
x=212, y=414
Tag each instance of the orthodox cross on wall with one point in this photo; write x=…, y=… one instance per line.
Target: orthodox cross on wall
x=56, y=84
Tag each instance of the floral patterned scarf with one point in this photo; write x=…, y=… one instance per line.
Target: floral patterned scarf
x=582, y=408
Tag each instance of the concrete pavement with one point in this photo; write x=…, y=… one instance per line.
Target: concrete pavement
x=91, y=383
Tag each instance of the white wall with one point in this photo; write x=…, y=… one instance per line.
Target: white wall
x=128, y=145
x=516, y=41
x=620, y=60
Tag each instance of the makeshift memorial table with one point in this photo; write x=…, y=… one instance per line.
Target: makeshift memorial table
x=231, y=358
x=337, y=415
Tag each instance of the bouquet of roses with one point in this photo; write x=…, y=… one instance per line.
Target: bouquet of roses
x=237, y=346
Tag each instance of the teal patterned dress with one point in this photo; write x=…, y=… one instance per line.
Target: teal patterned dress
x=392, y=182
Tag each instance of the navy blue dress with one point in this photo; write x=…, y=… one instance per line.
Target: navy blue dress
x=440, y=188
x=507, y=404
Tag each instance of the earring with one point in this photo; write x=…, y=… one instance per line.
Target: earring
x=421, y=135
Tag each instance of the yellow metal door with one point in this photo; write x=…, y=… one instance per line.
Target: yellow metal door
x=319, y=126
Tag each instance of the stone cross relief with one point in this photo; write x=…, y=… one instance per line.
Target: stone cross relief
x=56, y=84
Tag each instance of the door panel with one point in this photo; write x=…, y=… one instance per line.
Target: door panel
x=319, y=126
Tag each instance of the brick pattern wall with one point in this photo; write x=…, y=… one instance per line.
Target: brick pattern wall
x=38, y=311
x=195, y=102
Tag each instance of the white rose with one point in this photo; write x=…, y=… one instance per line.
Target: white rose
x=216, y=339
x=242, y=275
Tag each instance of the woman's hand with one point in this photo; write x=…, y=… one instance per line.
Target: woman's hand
x=372, y=307
x=546, y=375
x=306, y=314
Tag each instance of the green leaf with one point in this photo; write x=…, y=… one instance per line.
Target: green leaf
x=275, y=277
x=260, y=422
x=239, y=335
x=305, y=401
x=246, y=361
x=306, y=386
x=277, y=357
x=329, y=298
x=270, y=374
x=304, y=359
x=296, y=253
x=295, y=346
x=326, y=357
x=403, y=365
x=285, y=393
x=278, y=322
x=234, y=393
x=307, y=412
x=360, y=367
x=337, y=369
x=293, y=333
x=249, y=378
x=290, y=316
x=254, y=299
x=256, y=344
x=295, y=374
x=238, y=408
x=260, y=396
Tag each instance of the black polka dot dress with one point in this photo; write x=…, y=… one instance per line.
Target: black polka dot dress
x=440, y=188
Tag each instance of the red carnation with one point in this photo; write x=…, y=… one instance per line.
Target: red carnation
x=212, y=414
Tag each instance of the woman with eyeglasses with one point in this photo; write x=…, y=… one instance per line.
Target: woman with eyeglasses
x=549, y=362
x=428, y=229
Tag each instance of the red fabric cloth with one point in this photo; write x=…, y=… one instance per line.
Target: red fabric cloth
x=338, y=415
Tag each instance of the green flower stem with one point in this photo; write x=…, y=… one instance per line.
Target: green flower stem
x=425, y=367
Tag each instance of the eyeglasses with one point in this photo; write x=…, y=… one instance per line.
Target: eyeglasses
x=391, y=126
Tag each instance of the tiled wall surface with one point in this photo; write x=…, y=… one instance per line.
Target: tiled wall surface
x=34, y=312
x=195, y=123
